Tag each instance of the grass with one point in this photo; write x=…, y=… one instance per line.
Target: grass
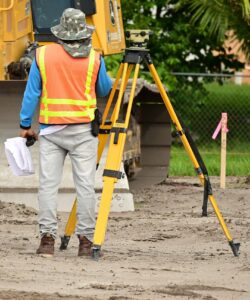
x=237, y=164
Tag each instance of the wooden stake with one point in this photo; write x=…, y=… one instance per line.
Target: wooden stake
x=223, y=150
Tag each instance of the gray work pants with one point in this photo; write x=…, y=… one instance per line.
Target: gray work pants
x=81, y=145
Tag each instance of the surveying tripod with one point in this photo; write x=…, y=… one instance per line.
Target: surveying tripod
x=117, y=130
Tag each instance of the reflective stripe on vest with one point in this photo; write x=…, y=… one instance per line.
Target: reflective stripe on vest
x=64, y=110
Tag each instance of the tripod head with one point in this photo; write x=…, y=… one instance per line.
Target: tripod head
x=138, y=38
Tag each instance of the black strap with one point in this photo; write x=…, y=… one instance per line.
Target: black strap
x=207, y=191
x=201, y=170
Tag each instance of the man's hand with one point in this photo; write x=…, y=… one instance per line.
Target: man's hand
x=25, y=133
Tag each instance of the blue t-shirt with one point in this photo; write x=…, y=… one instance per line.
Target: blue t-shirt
x=33, y=92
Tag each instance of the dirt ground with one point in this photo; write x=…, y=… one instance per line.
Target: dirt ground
x=163, y=250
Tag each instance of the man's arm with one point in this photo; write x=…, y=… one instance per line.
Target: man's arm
x=103, y=83
x=30, y=101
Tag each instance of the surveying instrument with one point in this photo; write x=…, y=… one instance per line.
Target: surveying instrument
x=116, y=130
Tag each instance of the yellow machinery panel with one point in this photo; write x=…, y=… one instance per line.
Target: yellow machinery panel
x=25, y=21
x=109, y=34
x=15, y=31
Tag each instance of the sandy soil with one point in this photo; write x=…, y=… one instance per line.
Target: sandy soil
x=163, y=250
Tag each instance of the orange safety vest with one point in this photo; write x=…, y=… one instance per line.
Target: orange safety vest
x=68, y=85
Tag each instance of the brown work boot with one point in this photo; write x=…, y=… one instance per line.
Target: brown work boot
x=85, y=246
x=46, y=247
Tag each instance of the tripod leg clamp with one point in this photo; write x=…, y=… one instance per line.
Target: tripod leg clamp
x=113, y=174
x=117, y=131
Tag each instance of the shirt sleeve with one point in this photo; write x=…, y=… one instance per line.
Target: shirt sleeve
x=31, y=96
x=103, y=83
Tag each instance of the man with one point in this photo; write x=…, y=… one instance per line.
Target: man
x=66, y=77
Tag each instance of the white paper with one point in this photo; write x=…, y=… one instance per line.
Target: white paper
x=19, y=156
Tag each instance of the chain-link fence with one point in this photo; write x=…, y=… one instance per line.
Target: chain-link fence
x=201, y=103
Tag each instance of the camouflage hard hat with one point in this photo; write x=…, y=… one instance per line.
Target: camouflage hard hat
x=72, y=26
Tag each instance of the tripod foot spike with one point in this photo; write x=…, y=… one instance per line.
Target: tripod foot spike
x=96, y=252
x=64, y=242
x=235, y=248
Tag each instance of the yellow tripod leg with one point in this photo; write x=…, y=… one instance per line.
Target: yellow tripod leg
x=70, y=227
x=173, y=116
x=110, y=177
x=105, y=127
x=111, y=173
x=103, y=137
